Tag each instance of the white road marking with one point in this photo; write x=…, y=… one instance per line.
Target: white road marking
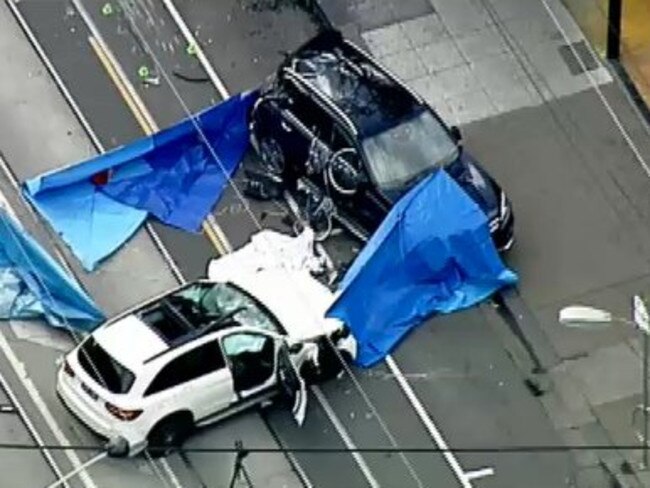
x=74, y=472
x=172, y=476
x=41, y=333
x=191, y=40
x=30, y=426
x=21, y=373
x=463, y=477
x=637, y=154
x=349, y=444
x=479, y=473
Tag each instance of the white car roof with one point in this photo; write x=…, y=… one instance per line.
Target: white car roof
x=130, y=341
x=296, y=299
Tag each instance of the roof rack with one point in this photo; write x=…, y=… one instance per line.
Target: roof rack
x=324, y=99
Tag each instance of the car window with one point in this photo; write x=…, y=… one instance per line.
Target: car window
x=104, y=368
x=402, y=154
x=245, y=342
x=228, y=298
x=199, y=305
x=251, y=357
x=189, y=366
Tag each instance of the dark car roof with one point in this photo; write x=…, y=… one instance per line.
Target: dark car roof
x=353, y=82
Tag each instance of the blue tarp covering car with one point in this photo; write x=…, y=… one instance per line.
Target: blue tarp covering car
x=173, y=175
x=33, y=285
x=432, y=254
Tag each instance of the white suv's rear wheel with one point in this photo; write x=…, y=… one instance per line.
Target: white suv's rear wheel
x=169, y=434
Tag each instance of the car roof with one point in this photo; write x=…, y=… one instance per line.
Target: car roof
x=130, y=341
x=295, y=298
x=368, y=96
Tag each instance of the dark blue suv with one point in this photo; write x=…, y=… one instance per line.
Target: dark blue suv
x=335, y=120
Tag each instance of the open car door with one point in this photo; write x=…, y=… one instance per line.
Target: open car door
x=292, y=386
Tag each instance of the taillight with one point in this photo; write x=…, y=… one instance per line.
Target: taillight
x=121, y=413
x=67, y=369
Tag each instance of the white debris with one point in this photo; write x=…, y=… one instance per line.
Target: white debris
x=271, y=250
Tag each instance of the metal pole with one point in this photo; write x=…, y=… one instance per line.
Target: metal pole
x=645, y=400
x=615, y=11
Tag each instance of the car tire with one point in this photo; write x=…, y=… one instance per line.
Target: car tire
x=272, y=156
x=169, y=434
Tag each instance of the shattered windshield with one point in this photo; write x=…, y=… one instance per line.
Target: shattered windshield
x=199, y=304
x=359, y=89
x=400, y=156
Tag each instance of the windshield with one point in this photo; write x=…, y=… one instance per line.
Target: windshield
x=103, y=368
x=402, y=154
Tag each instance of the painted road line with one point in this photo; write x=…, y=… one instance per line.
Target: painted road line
x=464, y=477
x=21, y=373
x=75, y=472
x=191, y=41
x=141, y=113
x=345, y=437
x=479, y=473
x=626, y=136
x=169, y=472
x=127, y=85
x=58, y=81
x=28, y=422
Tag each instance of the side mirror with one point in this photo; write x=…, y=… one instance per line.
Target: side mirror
x=455, y=133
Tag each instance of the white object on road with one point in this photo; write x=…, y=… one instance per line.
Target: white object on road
x=268, y=249
x=641, y=318
x=582, y=316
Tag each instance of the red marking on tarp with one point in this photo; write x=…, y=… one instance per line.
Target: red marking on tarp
x=102, y=178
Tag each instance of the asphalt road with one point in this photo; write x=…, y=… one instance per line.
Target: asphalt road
x=563, y=154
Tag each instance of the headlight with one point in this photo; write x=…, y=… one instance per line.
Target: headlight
x=504, y=207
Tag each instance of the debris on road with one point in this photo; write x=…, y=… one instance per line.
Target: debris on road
x=269, y=249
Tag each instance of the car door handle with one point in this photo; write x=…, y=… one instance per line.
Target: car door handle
x=285, y=126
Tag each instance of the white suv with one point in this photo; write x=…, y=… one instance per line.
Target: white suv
x=201, y=353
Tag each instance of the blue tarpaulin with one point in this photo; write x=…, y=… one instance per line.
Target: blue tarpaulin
x=97, y=205
x=432, y=254
x=33, y=285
